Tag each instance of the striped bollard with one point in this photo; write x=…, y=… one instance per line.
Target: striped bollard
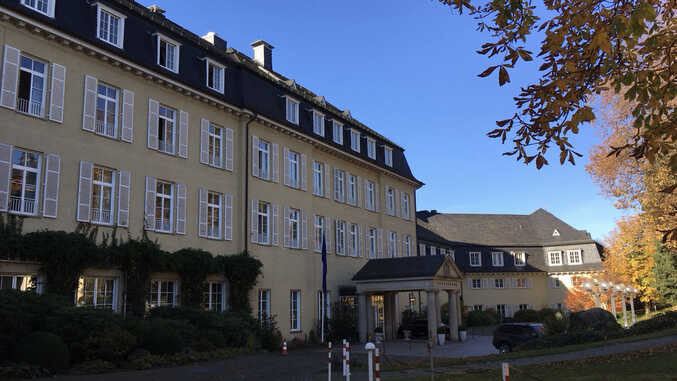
x=347, y=361
x=329, y=362
x=377, y=371
x=506, y=372
x=344, y=357
x=370, y=360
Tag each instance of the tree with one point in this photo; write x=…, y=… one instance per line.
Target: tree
x=578, y=300
x=665, y=278
x=626, y=46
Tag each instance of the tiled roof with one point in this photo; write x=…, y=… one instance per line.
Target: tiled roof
x=396, y=268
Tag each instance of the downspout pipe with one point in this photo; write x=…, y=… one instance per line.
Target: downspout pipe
x=252, y=117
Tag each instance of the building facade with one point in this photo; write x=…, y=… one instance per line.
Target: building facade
x=511, y=262
x=112, y=115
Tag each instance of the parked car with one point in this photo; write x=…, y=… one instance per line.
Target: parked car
x=508, y=336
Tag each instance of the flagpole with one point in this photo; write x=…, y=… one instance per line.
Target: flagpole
x=322, y=308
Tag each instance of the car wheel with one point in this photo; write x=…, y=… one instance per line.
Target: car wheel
x=503, y=348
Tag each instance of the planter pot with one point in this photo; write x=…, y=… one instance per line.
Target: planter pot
x=441, y=337
x=462, y=335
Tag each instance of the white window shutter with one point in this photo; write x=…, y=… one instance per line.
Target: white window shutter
x=202, y=213
x=360, y=238
x=149, y=215
x=469, y=283
x=84, y=191
x=286, y=166
x=58, y=89
x=336, y=235
x=254, y=231
x=183, y=134
x=304, y=230
x=228, y=217
x=492, y=283
x=327, y=234
x=304, y=175
x=327, y=181
x=5, y=171
x=89, y=105
x=275, y=223
x=530, y=283
x=507, y=283
x=124, y=185
x=181, y=196
x=10, y=77
x=396, y=204
x=336, y=185
x=255, y=157
x=377, y=205
x=285, y=228
x=379, y=242
x=229, y=148
x=50, y=199
x=204, y=141
x=366, y=194
x=513, y=281
x=358, y=192
x=276, y=163
x=127, y=134
x=153, y=121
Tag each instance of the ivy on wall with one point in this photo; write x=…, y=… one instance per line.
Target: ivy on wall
x=63, y=257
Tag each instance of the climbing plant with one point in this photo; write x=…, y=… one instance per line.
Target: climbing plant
x=241, y=270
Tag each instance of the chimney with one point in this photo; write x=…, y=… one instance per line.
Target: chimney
x=156, y=9
x=218, y=42
x=263, y=54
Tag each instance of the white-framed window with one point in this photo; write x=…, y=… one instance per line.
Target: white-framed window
x=263, y=222
x=390, y=201
x=293, y=171
x=370, y=200
x=214, y=299
x=407, y=246
x=318, y=123
x=421, y=249
x=162, y=293
x=354, y=241
x=18, y=282
x=103, y=196
x=501, y=311
x=388, y=156
x=499, y=283
x=392, y=244
x=352, y=189
x=555, y=283
x=164, y=206
x=292, y=110
x=433, y=250
x=340, y=237
x=475, y=259
x=166, y=129
x=575, y=257
x=523, y=307
x=264, y=159
x=318, y=178
x=372, y=242
x=215, y=146
x=264, y=307
x=110, y=26
x=294, y=228
x=97, y=292
x=521, y=283
x=497, y=258
x=168, y=53
x=320, y=228
x=355, y=140
x=339, y=187
x=371, y=148
x=32, y=82
x=295, y=310
x=476, y=283
x=405, y=206
x=107, y=98
x=24, y=182
x=46, y=7
x=214, y=211
x=477, y=307
x=555, y=258
x=520, y=258
x=216, y=76
x=452, y=254
x=337, y=130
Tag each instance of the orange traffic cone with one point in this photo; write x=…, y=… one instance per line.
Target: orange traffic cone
x=284, y=347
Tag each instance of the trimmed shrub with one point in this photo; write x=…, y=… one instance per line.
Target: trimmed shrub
x=527, y=316
x=270, y=336
x=559, y=340
x=161, y=337
x=237, y=329
x=343, y=323
x=555, y=324
x=481, y=318
x=44, y=349
x=657, y=323
x=111, y=344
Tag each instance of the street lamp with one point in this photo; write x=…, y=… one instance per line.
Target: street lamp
x=632, y=292
x=593, y=288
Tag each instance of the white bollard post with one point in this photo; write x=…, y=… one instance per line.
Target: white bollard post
x=370, y=361
x=347, y=361
x=506, y=372
x=344, y=357
x=377, y=371
x=329, y=363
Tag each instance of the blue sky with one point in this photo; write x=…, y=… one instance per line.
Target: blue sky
x=408, y=69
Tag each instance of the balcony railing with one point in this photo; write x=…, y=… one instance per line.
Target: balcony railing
x=103, y=128
x=22, y=205
x=163, y=225
x=102, y=216
x=166, y=146
x=213, y=231
x=29, y=107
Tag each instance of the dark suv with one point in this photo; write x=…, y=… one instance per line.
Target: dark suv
x=508, y=336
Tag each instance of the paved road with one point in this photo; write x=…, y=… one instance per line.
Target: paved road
x=311, y=365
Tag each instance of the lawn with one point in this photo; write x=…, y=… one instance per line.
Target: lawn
x=650, y=364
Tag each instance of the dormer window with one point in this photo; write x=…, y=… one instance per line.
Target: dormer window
x=168, y=53
x=337, y=128
x=520, y=258
x=388, y=156
x=292, y=110
x=46, y=7
x=355, y=140
x=555, y=233
x=215, y=76
x=371, y=148
x=575, y=257
x=318, y=123
x=110, y=26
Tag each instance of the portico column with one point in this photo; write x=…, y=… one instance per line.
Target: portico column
x=363, y=317
x=430, y=308
x=438, y=312
x=453, y=316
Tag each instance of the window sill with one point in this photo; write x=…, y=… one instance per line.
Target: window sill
x=106, y=224
x=40, y=117
x=213, y=238
x=24, y=214
x=121, y=46
x=220, y=91
x=163, y=232
x=168, y=69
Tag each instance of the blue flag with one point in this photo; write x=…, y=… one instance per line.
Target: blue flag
x=324, y=266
